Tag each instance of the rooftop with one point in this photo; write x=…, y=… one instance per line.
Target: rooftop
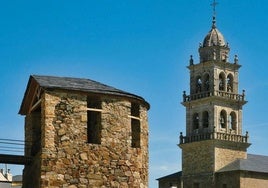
x=71, y=84
x=214, y=37
x=171, y=176
x=253, y=163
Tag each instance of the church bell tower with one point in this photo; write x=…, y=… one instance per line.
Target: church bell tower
x=214, y=135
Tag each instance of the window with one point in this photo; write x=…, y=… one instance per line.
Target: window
x=221, y=82
x=223, y=119
x=135, y=110
x=195, y=121
x=224, y=185
x=94, y=120
x=35, y=118
x=135, y=125
x=198, y=84
x=135, y=133
x=232, y=121
x=230, y=83
x=205, y=119
x=206, y=83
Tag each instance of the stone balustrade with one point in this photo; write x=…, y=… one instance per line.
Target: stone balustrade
x=214, y=136
x=224, y=94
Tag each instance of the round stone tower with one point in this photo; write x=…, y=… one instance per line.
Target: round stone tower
x=81, y=133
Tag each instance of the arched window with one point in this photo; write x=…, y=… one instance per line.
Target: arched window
x=230, y=83
x=223, y=119
x=206, y=82
x=205, y=119
x=232, y=121
x=195, y=121
x=221, y=82
x=198, y=84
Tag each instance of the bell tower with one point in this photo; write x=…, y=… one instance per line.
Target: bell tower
x=214, y=135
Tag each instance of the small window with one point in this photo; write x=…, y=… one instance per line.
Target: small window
x=206, y=83
x=135, y=109
x=135, y=133
x=135, y=125
x=232, y=121
x=230, y=83
x=221, y=82
x=205, y=119
x=198, y=84
x=224, y=185
x=94, y=120
x=223, y=119
x=195, y=121
x=35, y=117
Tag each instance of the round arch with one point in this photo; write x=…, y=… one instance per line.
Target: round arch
x=230, y=81
x=222, y=81
x=223, y=119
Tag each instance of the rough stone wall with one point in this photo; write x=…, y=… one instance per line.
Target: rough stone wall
x=67, y=160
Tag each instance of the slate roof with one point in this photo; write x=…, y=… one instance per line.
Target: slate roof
x=172, y=176
x=79, y=84
x=72, y=84
x=253, y=163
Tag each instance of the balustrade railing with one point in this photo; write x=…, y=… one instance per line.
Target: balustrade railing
x=224, y=94
x=213, y=136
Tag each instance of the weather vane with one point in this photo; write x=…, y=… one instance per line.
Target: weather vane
x=214, y=4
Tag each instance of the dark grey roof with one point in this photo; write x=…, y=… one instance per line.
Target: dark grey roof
x=254, y=163
x=171, y=176
x=79, y=84
x=70, y=84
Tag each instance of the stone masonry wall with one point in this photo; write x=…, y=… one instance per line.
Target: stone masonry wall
x=242, y=179
x=200, y=160
x=67, y=160
x=253, y=180
x=197, y=157
x=224, y=155
x=229, y=179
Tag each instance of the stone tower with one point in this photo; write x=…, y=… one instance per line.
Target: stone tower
x=213, y=114
x=81, y=133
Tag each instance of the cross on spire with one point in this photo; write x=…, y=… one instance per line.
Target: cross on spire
x=214, y=4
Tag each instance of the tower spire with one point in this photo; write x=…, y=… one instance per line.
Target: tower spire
x=214, y=4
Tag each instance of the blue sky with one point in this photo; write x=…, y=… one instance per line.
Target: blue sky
x=140, y=46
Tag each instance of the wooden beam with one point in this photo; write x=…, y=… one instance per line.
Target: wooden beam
x=35, y=105
x=15, y=159
x=134, y=117
x=94, y=109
